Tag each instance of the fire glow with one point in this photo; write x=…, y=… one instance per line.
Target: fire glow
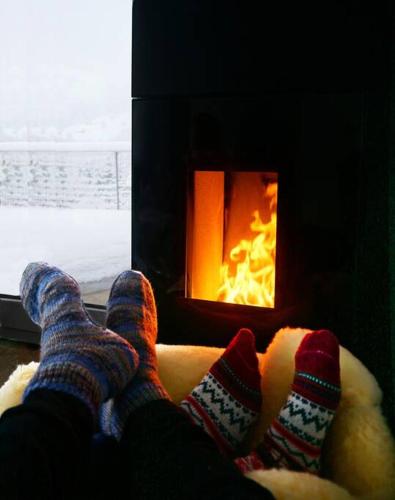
x=253, y=281
x=231, y=237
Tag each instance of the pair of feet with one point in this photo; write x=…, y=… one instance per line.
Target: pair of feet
x=295, y=438
x=112, y=370
x=228, y=401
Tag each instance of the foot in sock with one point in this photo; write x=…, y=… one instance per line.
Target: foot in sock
x=294, y=439
x=77, y=356
x=131, y=312
x=228, y=399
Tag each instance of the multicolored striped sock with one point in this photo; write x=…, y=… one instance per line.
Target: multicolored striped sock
x=228, y=399
x=78, y=357
x=131, y=312
x=294, y=439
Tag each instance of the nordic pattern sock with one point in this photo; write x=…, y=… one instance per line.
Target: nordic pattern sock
x=294, y=439
x=131, y=312
x=228, y=399
x=77, y=357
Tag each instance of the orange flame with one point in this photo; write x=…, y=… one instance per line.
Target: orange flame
x=250, y=278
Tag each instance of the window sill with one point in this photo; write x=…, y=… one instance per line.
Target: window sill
x=16, y=325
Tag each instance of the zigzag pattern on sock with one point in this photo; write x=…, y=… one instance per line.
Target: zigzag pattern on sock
x=315, y=418
x=295, y=438
x=232, y=421
x=210, y=394
x=227, y=401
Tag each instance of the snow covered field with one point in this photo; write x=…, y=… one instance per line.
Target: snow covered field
x=91, y=245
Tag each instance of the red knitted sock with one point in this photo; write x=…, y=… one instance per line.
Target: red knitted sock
x=251, y=462
x=294, y=439
x=228, y=399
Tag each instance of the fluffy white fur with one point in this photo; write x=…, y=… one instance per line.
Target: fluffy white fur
x=287, y=485
x=11, y=392
x=359, y=454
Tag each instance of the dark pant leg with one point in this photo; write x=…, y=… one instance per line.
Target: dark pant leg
x=105, y=477
x=45, y=447
x=166, y=457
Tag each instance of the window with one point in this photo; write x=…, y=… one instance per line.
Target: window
x=65, y=136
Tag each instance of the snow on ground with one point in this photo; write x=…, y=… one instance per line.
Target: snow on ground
x=91, y=245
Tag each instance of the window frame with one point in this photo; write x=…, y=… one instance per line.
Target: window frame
x=16, y=325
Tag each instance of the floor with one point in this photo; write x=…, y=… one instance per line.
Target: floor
x=13, y=354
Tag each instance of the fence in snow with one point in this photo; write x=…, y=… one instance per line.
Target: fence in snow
x=65, y=175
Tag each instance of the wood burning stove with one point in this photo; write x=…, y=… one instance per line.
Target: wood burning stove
x=260, y=139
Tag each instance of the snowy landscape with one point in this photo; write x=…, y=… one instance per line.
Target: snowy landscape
x=65, y=131
x=91, y=245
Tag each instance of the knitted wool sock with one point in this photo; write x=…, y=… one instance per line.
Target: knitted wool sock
x=251, y=462
x=131, y=312
x=294, y=439
x=228, y=399
x=78, y=357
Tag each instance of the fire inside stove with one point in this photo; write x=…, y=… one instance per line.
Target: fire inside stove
x=231, y=237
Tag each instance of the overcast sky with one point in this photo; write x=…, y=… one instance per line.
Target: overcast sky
x=63, y=62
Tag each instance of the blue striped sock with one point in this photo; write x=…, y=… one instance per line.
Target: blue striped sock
x=131, y=312
x=78, y=357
